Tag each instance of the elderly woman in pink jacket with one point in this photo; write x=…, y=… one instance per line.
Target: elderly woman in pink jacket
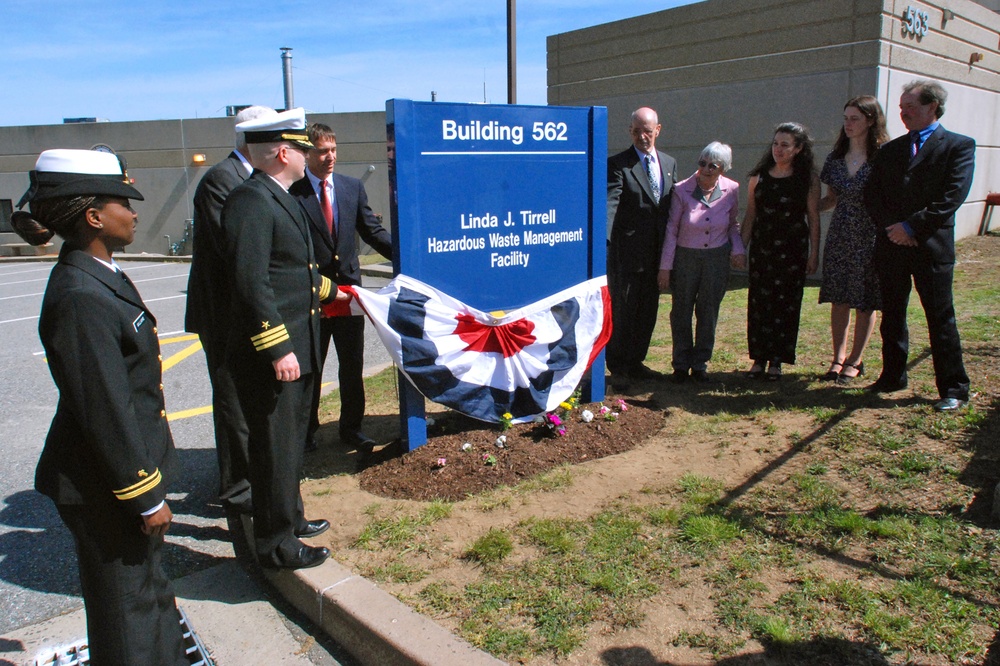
x=702, y=243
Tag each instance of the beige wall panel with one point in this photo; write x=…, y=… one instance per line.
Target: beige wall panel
x=735, y=32
x=201, y=134
x=972, y=25
x=771, y=67
x=23, y=163
x=929, y=65
x=948, y=48
x=151, y=159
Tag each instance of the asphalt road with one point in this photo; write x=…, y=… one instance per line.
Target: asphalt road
x=38, y=574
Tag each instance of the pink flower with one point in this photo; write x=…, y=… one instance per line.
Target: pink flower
x=555, y=420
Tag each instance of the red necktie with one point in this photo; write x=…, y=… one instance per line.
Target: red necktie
x=324, y=202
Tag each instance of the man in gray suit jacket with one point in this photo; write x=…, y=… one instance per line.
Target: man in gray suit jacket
x=209, y=294
x=640, y=182
x=336, y=247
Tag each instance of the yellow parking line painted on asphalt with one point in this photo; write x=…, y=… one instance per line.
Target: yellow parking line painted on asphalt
x=188, y=413
x=181, y=355
x=179, y=338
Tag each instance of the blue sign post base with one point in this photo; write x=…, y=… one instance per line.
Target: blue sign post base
x=412, y=414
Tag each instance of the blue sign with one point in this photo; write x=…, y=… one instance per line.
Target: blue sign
x=497, y=206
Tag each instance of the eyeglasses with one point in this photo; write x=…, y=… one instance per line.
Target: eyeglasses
x=708, y=165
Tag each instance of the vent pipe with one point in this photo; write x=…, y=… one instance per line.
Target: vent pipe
x=286, y=72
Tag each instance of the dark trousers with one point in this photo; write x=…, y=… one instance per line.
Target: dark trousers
x=132, y=616
x=635, y=298
x=698, y=284
x=277, y=415
x=231, y=431
x=933, y=282
x=348, y=334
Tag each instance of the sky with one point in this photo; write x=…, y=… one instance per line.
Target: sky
x=165, y=59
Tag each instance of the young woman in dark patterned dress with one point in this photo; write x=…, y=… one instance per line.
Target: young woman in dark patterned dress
x=782, y=229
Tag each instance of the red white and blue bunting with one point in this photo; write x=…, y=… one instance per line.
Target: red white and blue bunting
x=523, y=362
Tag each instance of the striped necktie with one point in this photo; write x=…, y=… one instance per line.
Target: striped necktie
x=654, y=178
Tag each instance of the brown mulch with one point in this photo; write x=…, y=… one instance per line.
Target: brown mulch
x=530, y=449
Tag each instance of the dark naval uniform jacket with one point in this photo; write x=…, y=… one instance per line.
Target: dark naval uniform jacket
x=276, y=279
x=276, y=310
x=109, y=437
x=209, y=291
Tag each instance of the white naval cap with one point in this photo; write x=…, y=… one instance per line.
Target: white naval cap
x=65, y=172
x=277, y=126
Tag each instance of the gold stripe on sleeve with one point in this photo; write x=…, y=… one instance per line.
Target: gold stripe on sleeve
x=137, y=489
x=275, y=336
x=325, y=287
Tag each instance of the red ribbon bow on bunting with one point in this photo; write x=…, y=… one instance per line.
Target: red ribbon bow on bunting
x=507, y=339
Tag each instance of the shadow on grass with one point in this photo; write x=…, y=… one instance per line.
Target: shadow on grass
x=815, y=652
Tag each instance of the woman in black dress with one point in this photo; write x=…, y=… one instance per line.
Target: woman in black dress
x=108, y=455
x=849, y=279
x=781, y=228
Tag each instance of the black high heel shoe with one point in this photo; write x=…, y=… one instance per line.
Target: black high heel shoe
x=844, y=380
x=831, y=374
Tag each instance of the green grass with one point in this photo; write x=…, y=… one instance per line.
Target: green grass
x=853, y=537
x=493, y=546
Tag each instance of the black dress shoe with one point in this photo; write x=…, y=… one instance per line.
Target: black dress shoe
x=313, y=528
x=950, y=405
x=882, y=385
x=700, y=376
x=645, y=372
x=679, y=376
x=358, y=440
x=620, y=380
x=308, y=556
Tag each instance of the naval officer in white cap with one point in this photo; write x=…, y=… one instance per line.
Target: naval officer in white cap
x=108, y=457
x=273, y=345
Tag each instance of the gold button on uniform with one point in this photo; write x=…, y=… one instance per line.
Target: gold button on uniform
x=163, y=412
x=156, y=330
x=159, y=357
x=313, y=311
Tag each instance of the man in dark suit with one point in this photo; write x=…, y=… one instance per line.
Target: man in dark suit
x=918, y=181
x=208, y=296
x=640, y=182
x=273, y=346
x=339, y=212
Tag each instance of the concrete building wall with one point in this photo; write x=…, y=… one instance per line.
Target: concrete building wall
x=160, y=156
x=732, y=70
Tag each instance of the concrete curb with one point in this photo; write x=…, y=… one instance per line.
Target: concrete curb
x=371, y=624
